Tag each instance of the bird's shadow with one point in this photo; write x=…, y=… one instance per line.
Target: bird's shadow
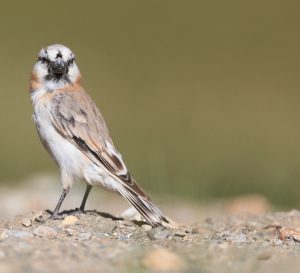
x=91, y=212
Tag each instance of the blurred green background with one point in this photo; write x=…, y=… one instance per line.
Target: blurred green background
x=201, y=97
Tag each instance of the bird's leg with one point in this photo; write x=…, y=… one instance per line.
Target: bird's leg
x=55, y=214
x=85, y=197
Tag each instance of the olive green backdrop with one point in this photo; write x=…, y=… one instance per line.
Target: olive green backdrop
x=201, y=97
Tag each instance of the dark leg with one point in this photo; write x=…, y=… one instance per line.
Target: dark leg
x=55, y=214
x=85, y=197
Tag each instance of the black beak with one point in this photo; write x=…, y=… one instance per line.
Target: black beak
x=58, y=67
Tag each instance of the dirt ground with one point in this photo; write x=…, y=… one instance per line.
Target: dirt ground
x=238, y=235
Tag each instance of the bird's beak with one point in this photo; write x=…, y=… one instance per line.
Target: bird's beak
x=58, y=66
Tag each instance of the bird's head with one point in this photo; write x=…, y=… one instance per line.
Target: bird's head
x=55, y=67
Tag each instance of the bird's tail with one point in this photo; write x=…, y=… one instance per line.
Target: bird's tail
x=146, y=208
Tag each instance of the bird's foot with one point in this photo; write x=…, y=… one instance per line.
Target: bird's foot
x=56, y=216
x=76, y=211
x=80, y=211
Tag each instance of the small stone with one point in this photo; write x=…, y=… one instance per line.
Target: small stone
x=26, y=222
x=197, y=230
x=105, y=226
x=252, y=204
x=84, y=236
x=69, y=231
x=38, y=216
x=126, y=223
x=131, y=214
x=14, y=233
x=44, y=231
x=209, y=221
x=180, y=233
x=139, y=234
x=4, y=234
x=286, y=233
x=163, y=260
x=240, y=238
x=277, y=242
x=69, y=221
x=203, y=232
x=146, y=227
x=264, y=256
x=159, y=233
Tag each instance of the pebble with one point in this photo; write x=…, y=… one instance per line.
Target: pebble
x=163, y=260
x=180, y=233
x=105, y=226
x=38, y=216
x=264, y=256
x=84, y=236
x=198, y=230
x=240, y=238
x=4, y=235
x=159, y=233
x=286, y=233
x=69, y=221
x=146, y=227
x=14, y=233
x=252, y=204
x=69, y=231
x=26, y=222
x=276, y=242
x=44, y=231
x=131, y=214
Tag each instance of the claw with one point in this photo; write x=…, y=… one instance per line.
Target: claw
x=79, y=211
x=56, y=216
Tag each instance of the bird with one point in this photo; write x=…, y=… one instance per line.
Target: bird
x=73, y=131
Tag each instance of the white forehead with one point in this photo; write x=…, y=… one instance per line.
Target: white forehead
x=52, y=51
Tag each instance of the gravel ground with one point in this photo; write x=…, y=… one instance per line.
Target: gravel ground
x=221, y=239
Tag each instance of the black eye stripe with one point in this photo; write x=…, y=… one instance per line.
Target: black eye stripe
x=71, y=61
x=44, y=60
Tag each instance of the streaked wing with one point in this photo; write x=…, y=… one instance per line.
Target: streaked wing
x=76, y=117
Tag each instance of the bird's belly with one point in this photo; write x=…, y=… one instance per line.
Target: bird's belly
x=69, y=158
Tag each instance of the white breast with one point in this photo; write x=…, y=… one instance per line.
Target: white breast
x=71, y=160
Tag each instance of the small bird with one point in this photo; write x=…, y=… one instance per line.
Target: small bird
x=74, y=132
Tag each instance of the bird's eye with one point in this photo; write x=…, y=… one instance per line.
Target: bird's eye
x=43, y=60
x=71, y=61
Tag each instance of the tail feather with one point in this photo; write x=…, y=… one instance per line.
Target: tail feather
x=146, y=208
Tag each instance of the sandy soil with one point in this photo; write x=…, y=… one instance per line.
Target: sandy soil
x=239, y=235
